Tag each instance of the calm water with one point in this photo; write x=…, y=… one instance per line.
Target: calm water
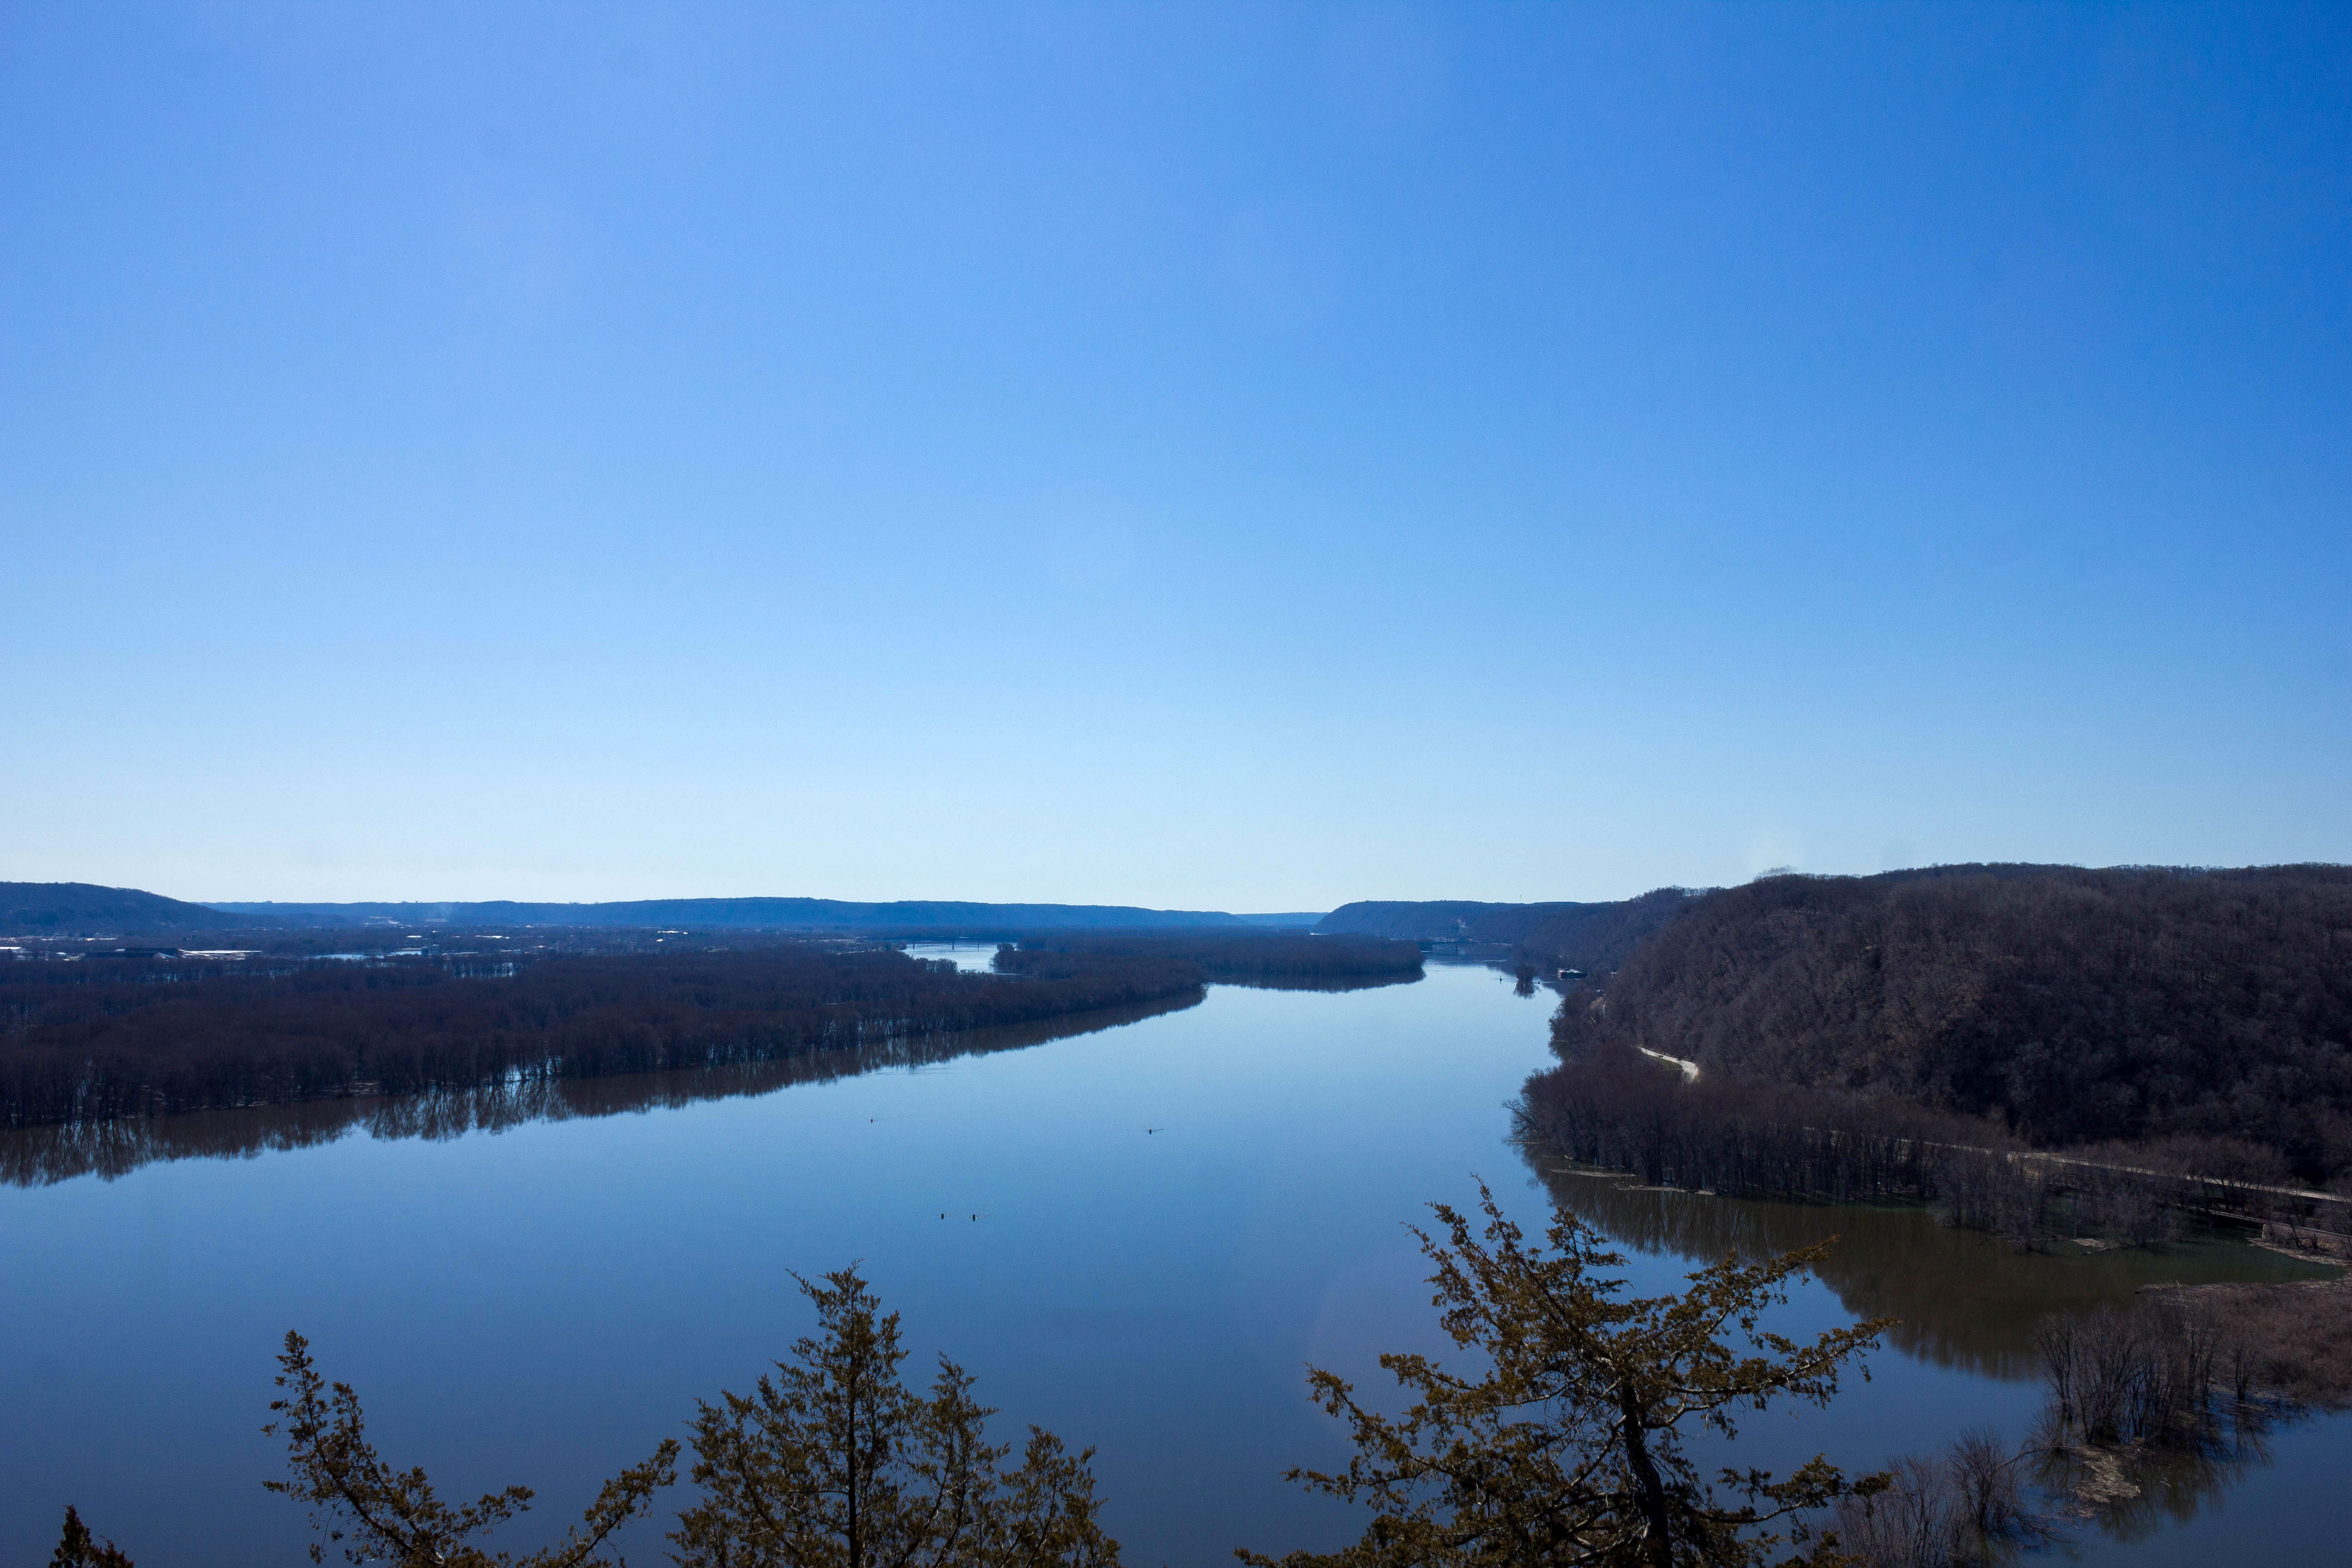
x=1137, y=1236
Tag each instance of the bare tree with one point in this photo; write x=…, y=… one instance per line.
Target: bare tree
x=1960, y=1509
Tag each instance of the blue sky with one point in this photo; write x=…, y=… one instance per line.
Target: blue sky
x=1245, y=458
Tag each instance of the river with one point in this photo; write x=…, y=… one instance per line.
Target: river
x=1137, y=1236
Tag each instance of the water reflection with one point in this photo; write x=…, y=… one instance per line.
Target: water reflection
x=1969, y=1302
x=2131, y=1496
x=37, y=1156
x=1963, y=1300
x=980, y=958
x=1324, y=983
x=534, y=1308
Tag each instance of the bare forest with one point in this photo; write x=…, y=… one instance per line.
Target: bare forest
x=2062, y=1006
x=106, y=1037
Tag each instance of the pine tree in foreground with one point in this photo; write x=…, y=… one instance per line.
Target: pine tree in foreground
x=832, y=1462
x=77, y=1548
x=1568, y=1451
x=377, y=1514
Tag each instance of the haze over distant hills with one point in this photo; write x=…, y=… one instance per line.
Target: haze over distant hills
x=1543, y=930
x=1435, y=919
x=78, y=909
x=75, y=909
x=1593, y=937
x=748, y=914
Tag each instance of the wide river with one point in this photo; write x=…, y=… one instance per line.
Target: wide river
x=1139, y=1236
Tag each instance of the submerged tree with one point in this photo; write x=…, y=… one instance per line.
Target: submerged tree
x=1568, y=1451
x=1962, y=1509
x=834, y=1463
x=379, y=1515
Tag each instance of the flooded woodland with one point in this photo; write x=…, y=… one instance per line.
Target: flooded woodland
x=1136, y=1228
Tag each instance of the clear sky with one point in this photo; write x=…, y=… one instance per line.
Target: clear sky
x=1243, y=457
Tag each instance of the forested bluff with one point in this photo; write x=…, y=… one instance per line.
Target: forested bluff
x=150, y=1032
x=2176, y=1038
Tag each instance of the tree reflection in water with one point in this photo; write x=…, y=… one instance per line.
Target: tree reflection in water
x=1964, y=1299
x=37, y=1156
x=2133, y=1494
x=1970, y=1301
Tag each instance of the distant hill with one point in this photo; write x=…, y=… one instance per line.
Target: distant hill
x=1592, y=937
x=1597, y=938
x=750, y=914
x=84, y=909
x=1435, y=919
x=1284, y=922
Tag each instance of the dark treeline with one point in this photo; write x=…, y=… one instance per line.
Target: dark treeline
x=108, y=1038
x=60, y=1151
x=1618, y=1109
x=2065, y=1007
x=267, y=945
x=1277, y=958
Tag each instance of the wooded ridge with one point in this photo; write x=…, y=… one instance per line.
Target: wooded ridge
x=55, y=908
x=2056, y=1005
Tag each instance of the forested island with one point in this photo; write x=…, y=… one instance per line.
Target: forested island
x=1282, y=960
x=110, y=1037
x=93, y=1034
x=47, y=1152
